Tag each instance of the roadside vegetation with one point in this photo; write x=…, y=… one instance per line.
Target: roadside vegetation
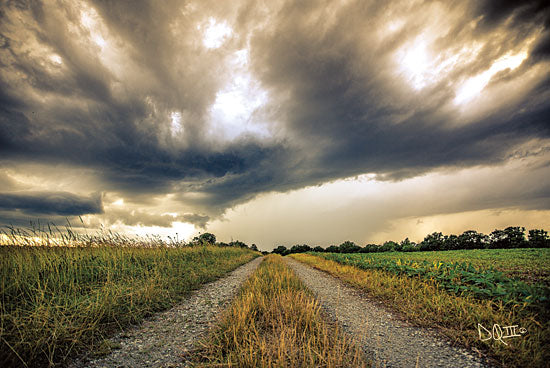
x=276, y=322
x=56, y=301
x=457, y=296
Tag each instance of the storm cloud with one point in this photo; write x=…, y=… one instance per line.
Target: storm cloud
x=185, y=110
x=51, y=203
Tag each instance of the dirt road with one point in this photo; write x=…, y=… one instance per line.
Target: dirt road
x=386, y=339
x=162, y=340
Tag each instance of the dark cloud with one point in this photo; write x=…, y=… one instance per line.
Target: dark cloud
x=496, y=11
x=51, y=203
x=542, y=48
x=337, y=104
x=340, y=103
x=121, y=137
x=199, y=220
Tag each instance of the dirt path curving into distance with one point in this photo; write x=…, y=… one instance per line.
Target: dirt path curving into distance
x=161, y=340
x=386, y=339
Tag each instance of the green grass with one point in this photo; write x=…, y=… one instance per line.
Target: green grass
x=58, y=301
x=528, y=264
x=276, y=322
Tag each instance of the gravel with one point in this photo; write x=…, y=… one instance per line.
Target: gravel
x=167, y=337
x=386, y=339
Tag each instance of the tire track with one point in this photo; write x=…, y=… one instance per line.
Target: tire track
x=163, y=340
x=386, y=339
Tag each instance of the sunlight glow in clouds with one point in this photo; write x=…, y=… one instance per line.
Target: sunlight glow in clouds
x=236, y=103
x=175, y=123
x=473, y=86
x=56, y=59
x=118, y=202
x=416, y=62
x=423, y=68
x=183, y=231
x=91, y=21
x=216, y=34
x=419, y=60
x=100, y=43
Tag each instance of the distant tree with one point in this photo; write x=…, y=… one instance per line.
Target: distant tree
x=511, y=237
x=412, y=247
x=300, y=248
x=471, y=239
x=254, y=247
x=406, y=245
x=318, y=249
x=388, y=246
x=238, y=243
x=349, y=247
x=369, y=248
x=538, y=238
x=281, y=249
x=451, y=242
x=207, y=238
x=433, y=241
x=516, y=234
x=333, y=249
x=498, y=239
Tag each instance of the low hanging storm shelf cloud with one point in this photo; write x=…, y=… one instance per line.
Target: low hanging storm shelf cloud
x=276, y=122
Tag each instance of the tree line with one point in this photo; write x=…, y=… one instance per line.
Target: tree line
x=511, y=237
x=210, y=239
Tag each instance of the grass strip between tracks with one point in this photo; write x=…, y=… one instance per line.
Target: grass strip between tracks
x=276, y=322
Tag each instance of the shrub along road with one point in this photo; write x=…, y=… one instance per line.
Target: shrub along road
x=385, y=338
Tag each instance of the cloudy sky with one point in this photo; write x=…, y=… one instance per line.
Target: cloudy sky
x=276, y=122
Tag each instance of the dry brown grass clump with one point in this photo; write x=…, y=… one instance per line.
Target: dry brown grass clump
x=276, y=322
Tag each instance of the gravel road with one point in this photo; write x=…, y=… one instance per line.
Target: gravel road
x=162, y=340
x=387, y=340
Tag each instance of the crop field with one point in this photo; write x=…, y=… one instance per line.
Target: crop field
x=481, y=278
x=457, y=291
x=57, y=301
x=528, y=264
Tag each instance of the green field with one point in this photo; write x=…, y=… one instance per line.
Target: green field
x=480, y=273
x=528, y=264
x=456, y=290
x=57, y=301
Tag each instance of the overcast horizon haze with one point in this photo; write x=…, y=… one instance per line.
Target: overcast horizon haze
x=276, y=122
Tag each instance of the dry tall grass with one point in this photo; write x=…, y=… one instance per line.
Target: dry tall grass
x=57, y=300
x=276, y=322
